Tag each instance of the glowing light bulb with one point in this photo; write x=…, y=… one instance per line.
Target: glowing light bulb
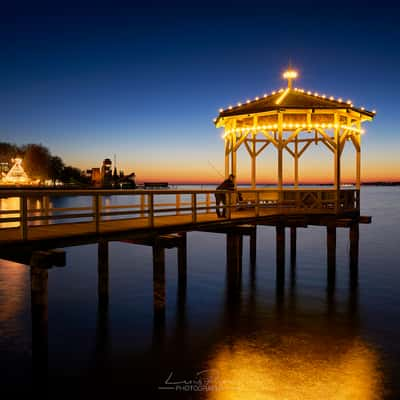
x=339, y=100
x=256, y=98
x=290, y=74
x=230, y=107
x=239, y=104
x=331, y=98
x=265, y=95
x=247, y=101
x=308, y=92
x=221, y=109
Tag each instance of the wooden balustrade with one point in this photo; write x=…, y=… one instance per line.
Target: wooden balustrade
x=152, y=205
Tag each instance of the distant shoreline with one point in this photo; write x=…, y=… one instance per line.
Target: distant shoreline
x=173, y=185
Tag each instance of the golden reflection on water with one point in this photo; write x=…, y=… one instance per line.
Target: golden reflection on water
x=9, y=204
x=295, y=367
x=13, y=287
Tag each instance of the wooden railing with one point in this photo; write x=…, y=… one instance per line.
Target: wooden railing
x=30, y=207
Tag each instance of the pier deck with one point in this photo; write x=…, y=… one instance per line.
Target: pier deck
x=36, y=217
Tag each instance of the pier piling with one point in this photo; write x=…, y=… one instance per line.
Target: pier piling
x=39, y=312
x=354, y=236
x=103, y=270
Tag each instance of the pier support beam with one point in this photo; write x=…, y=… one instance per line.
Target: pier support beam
x=102, y=271
x=331, y=256
x=354, y=236
x=280, y=261
x=331, y=267
x=293, y=245
x=331, y=246
x=40, y=263
x=181, y=291
x=253, y=247
x=234, y=250
x=234, y=243
x=39, y=310
x=182, y=258
x=280, y=246
x=182, y=283
x=158, y=296
x=159, y=277
x=293, y=254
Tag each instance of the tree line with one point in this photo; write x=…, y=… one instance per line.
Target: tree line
x=39, y=163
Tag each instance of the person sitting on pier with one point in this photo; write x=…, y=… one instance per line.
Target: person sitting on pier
x=220, y=197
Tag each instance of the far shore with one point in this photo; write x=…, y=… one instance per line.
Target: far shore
x=174, y=185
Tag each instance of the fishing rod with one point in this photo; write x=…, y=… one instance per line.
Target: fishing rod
x=215, y=169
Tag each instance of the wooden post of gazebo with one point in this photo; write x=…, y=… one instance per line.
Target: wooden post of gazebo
x=292, y=119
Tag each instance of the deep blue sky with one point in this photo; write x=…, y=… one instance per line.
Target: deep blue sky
x=145, y=83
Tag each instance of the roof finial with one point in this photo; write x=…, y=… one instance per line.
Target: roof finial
x=290, y=74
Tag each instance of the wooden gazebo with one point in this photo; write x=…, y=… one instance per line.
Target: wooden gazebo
x=291, y=120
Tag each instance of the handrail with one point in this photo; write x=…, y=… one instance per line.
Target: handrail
x=148, y=205
x=127, y=192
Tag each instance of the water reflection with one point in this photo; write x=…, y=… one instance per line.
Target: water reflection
x=289, y=354
x=295, y=366
x=9, y=204
x=12, y=280
x=258, y=349
x=291, y=357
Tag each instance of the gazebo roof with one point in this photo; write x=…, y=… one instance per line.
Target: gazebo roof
x=289, y=98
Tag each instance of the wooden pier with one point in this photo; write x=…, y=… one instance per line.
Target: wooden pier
x=36, y=218
x=161, y=219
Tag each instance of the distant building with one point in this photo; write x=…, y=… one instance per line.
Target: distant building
x=95, y=176
x=128, y=181
x=108, y=177
x=4, y=168
x=106, y=172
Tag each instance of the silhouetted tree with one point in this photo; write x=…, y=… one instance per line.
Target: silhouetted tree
x=8, y=151
x=37, y=161
x=74, y=176
x=56, y=168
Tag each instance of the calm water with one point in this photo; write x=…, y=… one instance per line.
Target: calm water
x=251, y=340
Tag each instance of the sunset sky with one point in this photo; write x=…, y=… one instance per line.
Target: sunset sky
x=145, y=83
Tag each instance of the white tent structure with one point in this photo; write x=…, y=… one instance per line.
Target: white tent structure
x=16, y=174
